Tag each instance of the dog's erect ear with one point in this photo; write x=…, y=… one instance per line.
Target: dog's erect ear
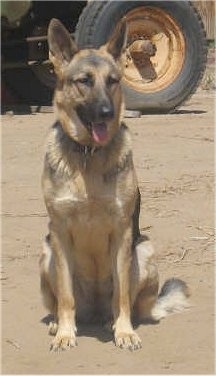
x=61, y=46
x=117, y=43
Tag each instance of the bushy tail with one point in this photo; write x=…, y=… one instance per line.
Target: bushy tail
x=173, y=298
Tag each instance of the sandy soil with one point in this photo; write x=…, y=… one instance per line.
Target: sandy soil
x=174, y=157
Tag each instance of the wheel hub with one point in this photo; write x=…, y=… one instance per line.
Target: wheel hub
x=156, y=49
x=141, y=51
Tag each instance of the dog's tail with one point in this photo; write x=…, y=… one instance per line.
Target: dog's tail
x=173, y=298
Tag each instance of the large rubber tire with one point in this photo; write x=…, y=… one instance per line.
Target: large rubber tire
x=99, y=19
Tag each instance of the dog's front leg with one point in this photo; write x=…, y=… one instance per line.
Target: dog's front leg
x=66, y=333
x=124, y=335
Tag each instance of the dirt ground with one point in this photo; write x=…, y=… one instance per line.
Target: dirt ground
x=174, y=158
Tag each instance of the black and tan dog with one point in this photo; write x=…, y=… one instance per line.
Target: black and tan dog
x=95, y=264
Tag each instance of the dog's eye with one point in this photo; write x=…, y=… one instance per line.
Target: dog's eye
x=112, y=80
x=85, y=80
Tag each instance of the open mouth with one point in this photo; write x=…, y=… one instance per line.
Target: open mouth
x=98, y=129
x=99, y=132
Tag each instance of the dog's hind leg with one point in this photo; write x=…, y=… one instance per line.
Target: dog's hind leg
x=144, y=274
x=144, y=280
x=147, y=304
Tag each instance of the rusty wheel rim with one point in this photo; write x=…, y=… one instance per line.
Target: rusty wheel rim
x=152, y=68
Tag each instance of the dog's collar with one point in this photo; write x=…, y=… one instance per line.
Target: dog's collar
x=77, y=147
x=84, y=149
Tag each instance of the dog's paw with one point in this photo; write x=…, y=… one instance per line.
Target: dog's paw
x=130, y=341
x=63, y=341
x=53, y=328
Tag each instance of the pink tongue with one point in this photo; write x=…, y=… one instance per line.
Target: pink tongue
x=99, y=132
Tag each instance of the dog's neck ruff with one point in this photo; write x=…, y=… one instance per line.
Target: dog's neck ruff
x=66, y=146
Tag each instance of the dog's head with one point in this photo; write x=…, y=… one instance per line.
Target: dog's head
x=88, y=95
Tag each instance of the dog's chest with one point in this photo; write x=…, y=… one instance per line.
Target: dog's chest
x=90, y=200
x=93, y=209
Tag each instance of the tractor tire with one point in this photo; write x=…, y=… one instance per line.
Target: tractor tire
x=167, y=78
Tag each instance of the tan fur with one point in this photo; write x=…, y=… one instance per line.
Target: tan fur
x=94, y=265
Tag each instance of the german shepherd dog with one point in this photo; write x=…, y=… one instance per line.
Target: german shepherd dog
x=95, y=265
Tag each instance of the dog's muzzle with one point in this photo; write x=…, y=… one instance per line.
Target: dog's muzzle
x=95, y=118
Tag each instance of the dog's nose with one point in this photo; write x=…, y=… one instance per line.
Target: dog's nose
x=106, y=112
